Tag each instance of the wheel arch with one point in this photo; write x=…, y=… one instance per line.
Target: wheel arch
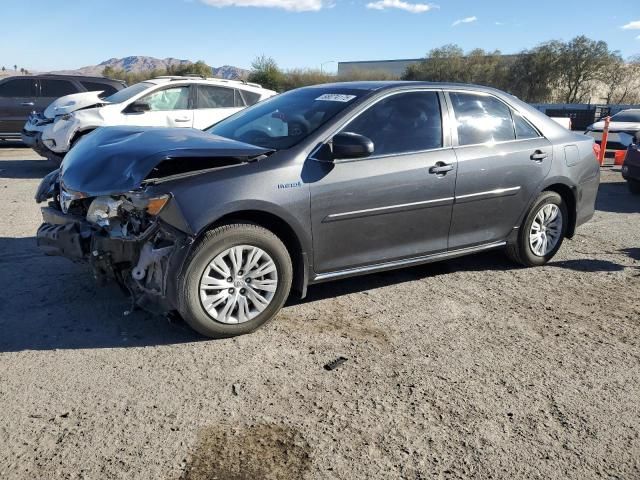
x=78, y=134
x=568, y=194
x=282, y=229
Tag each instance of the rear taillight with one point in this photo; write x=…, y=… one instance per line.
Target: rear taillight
x=596, y=150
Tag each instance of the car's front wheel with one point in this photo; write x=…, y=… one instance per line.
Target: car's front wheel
x=542, y=231
x=236, y=280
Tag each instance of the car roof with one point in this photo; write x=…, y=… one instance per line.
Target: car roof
x=206, y=81
x=390, y=84
x=73, y=77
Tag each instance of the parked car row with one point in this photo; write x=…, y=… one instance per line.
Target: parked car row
x=19, y=96
x=312, y=185
x=162, y=102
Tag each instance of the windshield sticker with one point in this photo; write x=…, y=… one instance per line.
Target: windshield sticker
x=336, y=97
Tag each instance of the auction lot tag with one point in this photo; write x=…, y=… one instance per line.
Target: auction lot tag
x=336, y=97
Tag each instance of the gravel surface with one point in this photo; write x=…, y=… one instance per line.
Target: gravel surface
x=466, y=368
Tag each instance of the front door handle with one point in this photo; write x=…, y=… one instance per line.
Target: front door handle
x=182, y=119
x=441, y=168
x=538, y=156
x=27, y=104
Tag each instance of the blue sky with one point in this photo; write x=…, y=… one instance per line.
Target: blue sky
x=46, y=34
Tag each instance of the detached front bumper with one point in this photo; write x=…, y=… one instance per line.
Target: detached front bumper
x=63, y=235
x=146, y=266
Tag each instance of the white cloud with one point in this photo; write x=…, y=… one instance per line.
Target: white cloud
x=632, y=25
x=499, y=23
x=409, y=7
x=465, y=20
x=292, y=5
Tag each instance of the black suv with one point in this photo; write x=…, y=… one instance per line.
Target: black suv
x=23, y=94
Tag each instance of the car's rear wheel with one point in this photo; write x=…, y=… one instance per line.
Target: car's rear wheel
x=236, y=280
x=542, y=232
x=634, y=186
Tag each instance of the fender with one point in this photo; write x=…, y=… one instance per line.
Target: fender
x=542, y=186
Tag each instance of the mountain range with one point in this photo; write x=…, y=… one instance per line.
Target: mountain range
x=141, y=63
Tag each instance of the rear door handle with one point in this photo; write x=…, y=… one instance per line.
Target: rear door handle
x=27, y=104
x=538, y=155
x=440, y=168
x=182, y=119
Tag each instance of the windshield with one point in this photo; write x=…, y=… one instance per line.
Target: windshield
x=627, y=116
x=286, y=119
x=129, y=92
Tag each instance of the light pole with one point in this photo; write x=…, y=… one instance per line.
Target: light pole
x=325, y=63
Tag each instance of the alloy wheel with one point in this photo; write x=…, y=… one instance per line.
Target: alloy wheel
x=238, y=284
x=546, y=230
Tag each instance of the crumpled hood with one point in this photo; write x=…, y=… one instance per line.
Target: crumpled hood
x=71, y=103
x=617, y=126
x=113, y=160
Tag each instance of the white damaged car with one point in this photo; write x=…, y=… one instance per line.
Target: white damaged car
x=162, y=102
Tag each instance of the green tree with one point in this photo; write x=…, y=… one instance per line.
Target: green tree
x=15, y=67
x=622, y=81
x=582, y=62
x=265, y=71
x=449, y=63
x=534, y=75
x=199, y=68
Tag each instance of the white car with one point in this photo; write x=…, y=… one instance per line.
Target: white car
x=162, y=102
x=624, y=129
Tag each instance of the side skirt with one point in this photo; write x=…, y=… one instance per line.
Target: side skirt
x=379, y=267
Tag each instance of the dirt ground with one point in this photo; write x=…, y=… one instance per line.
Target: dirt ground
x=470, y=368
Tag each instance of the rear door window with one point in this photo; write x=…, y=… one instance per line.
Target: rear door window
x=524, y=129
x=401, y=123
x=481, y=119
x=105, y=88
x=19, y=87
x=176, y=98
x=216, y=97
x=250, y=98
x=56, y=88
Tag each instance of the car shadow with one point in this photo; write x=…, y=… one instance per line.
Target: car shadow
x=26, y=168
x=615, y=197
x=12, y=144
x=486, y=261
x=49, y=303
x=588, y=265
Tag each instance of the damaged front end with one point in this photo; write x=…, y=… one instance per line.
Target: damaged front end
x=121, y=237
x=110, y=205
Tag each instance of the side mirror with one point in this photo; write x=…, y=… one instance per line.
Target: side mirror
x=348, y=145
x=138, y=107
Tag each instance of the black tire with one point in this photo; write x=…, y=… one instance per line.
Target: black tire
x=213, y=243
x=520, y=251
x=634, y=186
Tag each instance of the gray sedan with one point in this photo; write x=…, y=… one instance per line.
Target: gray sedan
x=313, y=185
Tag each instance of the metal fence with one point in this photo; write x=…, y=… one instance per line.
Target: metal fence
x=581, y=114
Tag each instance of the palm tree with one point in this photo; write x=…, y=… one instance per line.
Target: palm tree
x=4, y=69
x=22, y=71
